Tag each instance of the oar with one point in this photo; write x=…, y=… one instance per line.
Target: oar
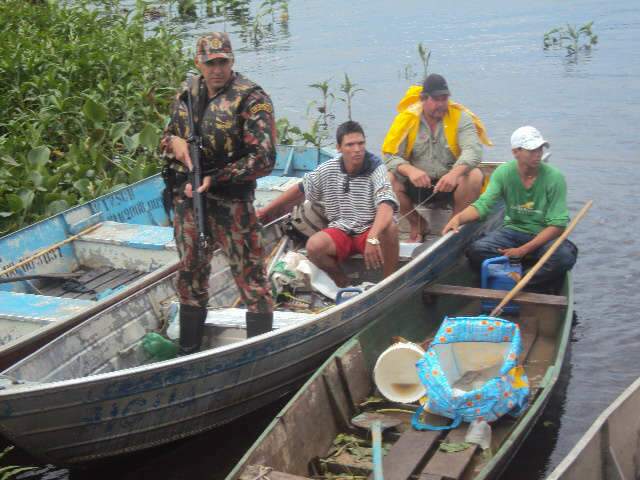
x=376, y=422
x=523, y=282
x=49, y=249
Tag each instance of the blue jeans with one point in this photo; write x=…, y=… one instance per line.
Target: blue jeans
x=549, y=274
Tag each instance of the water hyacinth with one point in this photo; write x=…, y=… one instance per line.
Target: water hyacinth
x=86, y=95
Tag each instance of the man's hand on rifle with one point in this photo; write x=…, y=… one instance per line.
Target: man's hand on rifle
x=206, y=184
x=180, y=149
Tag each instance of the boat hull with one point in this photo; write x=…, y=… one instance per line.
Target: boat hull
x=133, y=234
x=290, y=443
x=609, y=449
x=71, y=418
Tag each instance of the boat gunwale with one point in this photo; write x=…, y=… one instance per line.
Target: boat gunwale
x=34, y=386
x=591, y=433
x=509, y=446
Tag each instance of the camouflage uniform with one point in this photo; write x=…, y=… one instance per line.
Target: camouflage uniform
x=238, y=146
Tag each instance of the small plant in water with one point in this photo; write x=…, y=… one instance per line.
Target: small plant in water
x=326, y=102
x=425, y=54
x=11, y=471
x=408, y=72
x=287, y=133
x=349, y=89
x=572, y=38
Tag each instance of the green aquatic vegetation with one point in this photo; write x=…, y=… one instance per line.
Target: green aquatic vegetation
x=408, y=72
x=573, y=39
x=87, y=93
x=11, y=471
x=349, y=89
x=452, y=447
x=288, y=134
x=424, y=53
x=320, y=125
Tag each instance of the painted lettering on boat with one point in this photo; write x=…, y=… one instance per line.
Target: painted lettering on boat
x=138, y=209
x=43, y=259
x=129, y=411
x=186, y=375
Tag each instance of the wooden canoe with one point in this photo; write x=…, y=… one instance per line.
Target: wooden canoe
x=113, y=246
x=93, y=393
x=301, y=441
x=610, y=449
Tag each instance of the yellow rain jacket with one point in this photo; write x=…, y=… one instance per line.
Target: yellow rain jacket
x=407, y=123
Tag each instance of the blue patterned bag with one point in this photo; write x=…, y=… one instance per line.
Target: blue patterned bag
x=470, y=372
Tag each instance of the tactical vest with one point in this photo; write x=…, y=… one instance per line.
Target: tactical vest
x=221, y=127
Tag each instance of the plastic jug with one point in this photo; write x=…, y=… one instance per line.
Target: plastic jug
x=498, y=274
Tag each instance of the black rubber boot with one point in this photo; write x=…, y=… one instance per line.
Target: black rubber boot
x=258, y=323
x=191, y=328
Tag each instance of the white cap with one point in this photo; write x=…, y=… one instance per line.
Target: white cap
x=528, y=138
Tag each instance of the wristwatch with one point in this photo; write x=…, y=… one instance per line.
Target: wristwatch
x=373, y=241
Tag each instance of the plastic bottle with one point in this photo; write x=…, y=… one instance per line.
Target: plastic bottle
x=159, y=347
x=173, y=320
x=479, y=432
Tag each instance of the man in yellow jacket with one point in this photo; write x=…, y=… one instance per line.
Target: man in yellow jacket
x=433, y=146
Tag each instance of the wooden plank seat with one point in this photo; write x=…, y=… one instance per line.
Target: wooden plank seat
x=449, y=465
x=235, y=318
x=407, y=453
x=525, y=298
x=259, y=472
x=41, y=309
x=136, y=236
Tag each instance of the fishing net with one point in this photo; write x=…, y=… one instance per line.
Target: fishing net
x=470, y=372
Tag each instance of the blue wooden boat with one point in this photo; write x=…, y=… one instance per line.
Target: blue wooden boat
x=93, y=392
x=94, y=255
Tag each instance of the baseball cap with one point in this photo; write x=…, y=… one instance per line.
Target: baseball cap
x=527, y=137
x=213, y=45
x=435, y=85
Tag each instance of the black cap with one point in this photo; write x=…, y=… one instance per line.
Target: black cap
x=435, y=85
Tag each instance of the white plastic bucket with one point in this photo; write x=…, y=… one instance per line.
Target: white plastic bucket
x=396, y=375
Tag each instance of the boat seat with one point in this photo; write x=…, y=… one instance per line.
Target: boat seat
x=525, y=298
x=272, y=186
x=449, y=465
x=40, y=309
x=129, y=235
x=235, y=318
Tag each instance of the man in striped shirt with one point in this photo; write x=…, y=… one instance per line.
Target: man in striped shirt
x=359, y=204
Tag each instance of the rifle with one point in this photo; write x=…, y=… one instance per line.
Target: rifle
x=199, y=199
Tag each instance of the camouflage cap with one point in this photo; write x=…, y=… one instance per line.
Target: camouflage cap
x=213, y=45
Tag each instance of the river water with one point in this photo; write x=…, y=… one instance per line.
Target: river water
x=491, y=54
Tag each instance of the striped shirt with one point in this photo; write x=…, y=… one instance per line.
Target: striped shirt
x=350, y=201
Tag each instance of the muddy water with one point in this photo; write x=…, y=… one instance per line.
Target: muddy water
x=491, y=53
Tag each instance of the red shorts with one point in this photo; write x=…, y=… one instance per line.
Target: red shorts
x=347, y=245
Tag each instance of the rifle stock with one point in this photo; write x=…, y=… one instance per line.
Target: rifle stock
x=199, y=199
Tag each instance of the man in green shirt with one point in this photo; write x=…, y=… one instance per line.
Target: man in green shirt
x=535, y=198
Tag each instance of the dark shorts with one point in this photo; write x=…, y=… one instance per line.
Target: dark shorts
x=347, y=245
x=420, y=194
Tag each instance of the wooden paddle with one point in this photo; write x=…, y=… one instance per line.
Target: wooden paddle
x=523, y=282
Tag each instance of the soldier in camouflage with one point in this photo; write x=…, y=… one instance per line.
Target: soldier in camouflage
x=236, y=122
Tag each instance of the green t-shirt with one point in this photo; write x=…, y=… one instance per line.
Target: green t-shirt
x=530, y=210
